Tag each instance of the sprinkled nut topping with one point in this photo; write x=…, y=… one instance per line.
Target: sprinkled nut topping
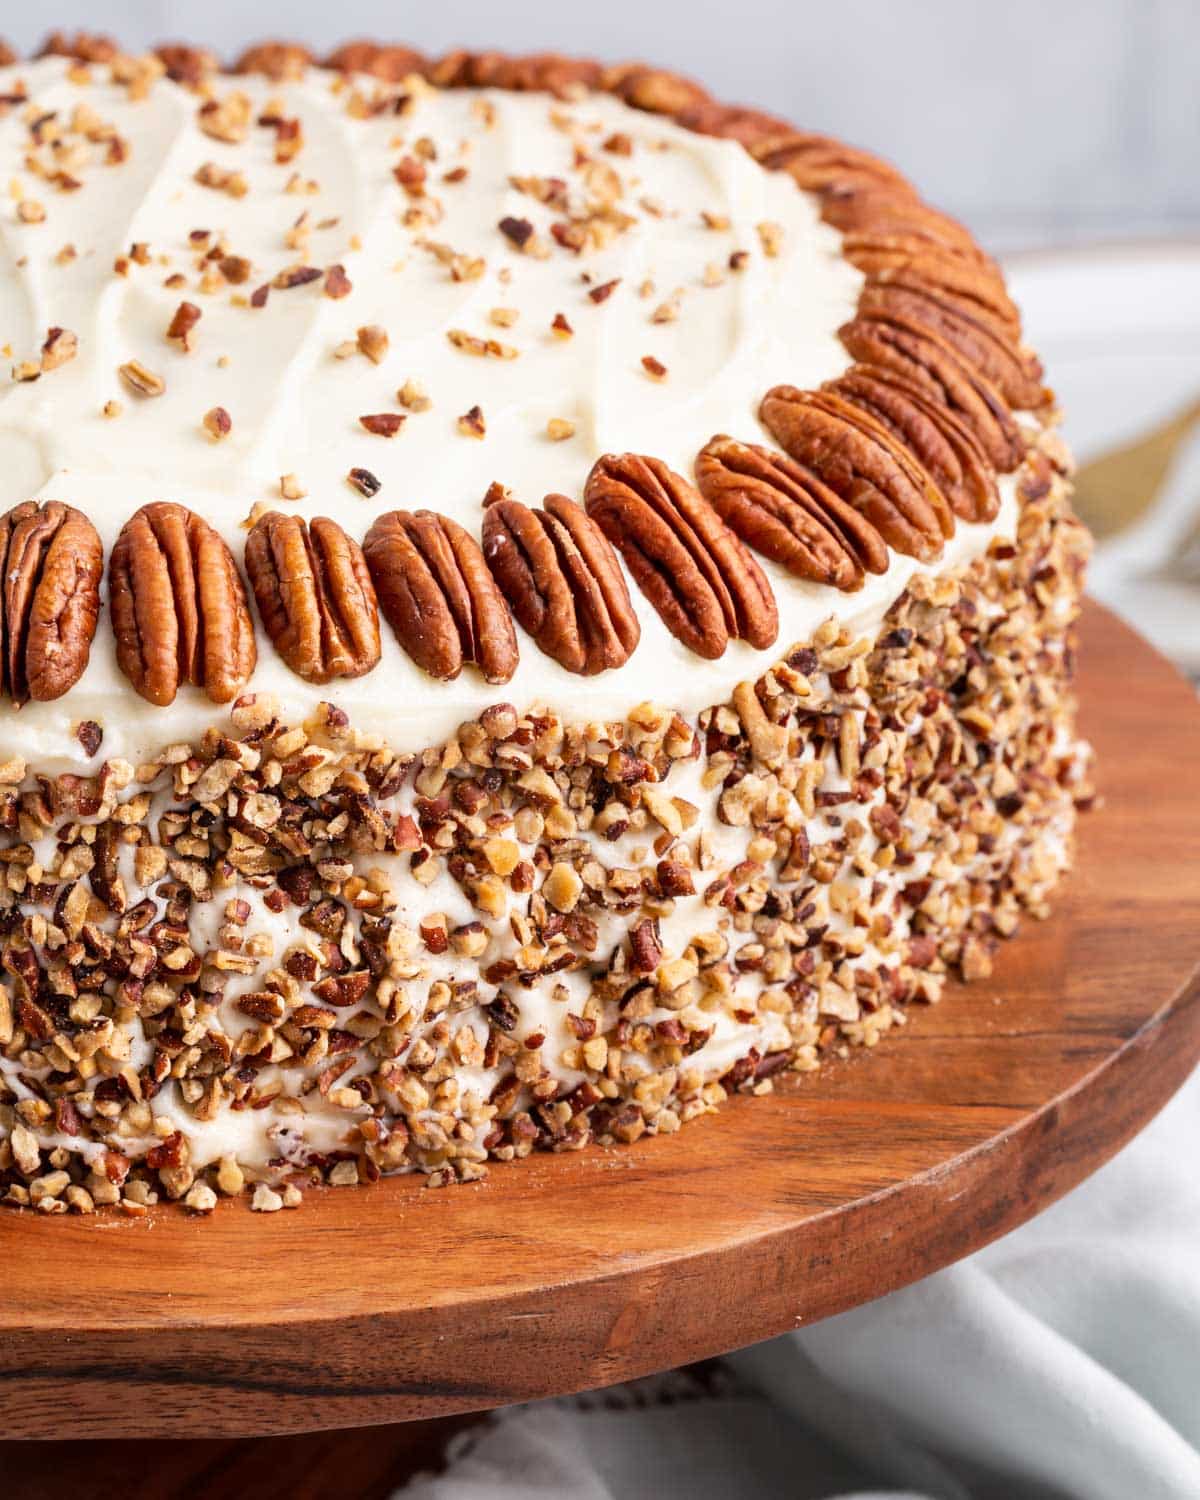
x=364, y=481
x=290, y=487
x=558, y=429
x=140, y=380
x=413, y=395
x=218, y=423
x=373, y=342
x=517, y=231
x=668, y=311
x=384, y=424
x=222, y=179
x=471, y=423
x=61, y=345
x=770, y=237
x=337, y=283
x=226, y=119
x=469, y=343
x=654, y=367
x=179, y=332
x=30, y=211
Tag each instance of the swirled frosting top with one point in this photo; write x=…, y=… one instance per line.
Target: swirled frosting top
x=122, y=202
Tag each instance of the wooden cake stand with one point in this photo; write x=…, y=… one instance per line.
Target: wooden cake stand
x=575, y=1271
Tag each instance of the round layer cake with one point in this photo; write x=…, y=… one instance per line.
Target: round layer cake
x=532, y=600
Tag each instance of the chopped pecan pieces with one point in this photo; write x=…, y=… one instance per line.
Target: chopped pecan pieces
x=695, y=572
x=218, y=423
x=140, y=380
x=314, y=595
x=373, y=342
x=438, y=596
x=364, y=482
x=61, y=346
x=179, y=331
x=337, y=283
x=561, y=576
x=179, y=610
x=384, y=423
x=517, y=231
x=786, y=513
x=472, y=424
x=49, y=598
x=860, y=459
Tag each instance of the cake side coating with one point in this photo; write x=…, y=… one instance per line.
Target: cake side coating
x=323, y=939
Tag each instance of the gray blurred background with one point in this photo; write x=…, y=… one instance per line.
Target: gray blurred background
x=1038, y=121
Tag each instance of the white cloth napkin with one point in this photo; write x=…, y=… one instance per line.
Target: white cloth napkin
x=1063, y=1361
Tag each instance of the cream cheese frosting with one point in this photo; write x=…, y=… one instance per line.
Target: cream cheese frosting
x=295, y=385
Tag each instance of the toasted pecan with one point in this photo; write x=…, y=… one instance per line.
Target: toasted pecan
x=697, y=574
x=652, y=89
x=315, y=596
x=52, y=562
x=785, y=512
x=389, y=63
x=822, y=165
x=539, y=72
x=945, y=445
x=179, y=610
x=279, y=61
x=886, y=209
x=975, y=284
x=187, y=65
x=903, y=345
x=84, y=46
x=438, y=596
x=860, y=460
x=559, y=573
x=982, y=340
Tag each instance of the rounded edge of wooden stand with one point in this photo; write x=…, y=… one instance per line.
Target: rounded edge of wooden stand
x=334, y=1316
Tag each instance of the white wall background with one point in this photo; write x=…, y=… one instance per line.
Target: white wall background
x=1039, y=121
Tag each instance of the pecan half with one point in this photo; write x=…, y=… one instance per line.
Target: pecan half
x=972, y=281
x=821, y=165
x=49, y=600
x=900, y=344
x=946, y=446
x=696, y=573
x=280, y=61
x=438, y=596
x=885, y=208
x=179, y=610
x=982, y=340
x=788, y=514
x=865, y=464
x=314, y=595
x=560, y=575
x=389, y=63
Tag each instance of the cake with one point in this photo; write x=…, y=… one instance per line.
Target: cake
x=533, y=601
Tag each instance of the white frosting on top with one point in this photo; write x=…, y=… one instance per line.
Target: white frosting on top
x=295, y=405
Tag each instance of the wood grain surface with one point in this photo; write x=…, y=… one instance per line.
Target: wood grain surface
x=575, y=1271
